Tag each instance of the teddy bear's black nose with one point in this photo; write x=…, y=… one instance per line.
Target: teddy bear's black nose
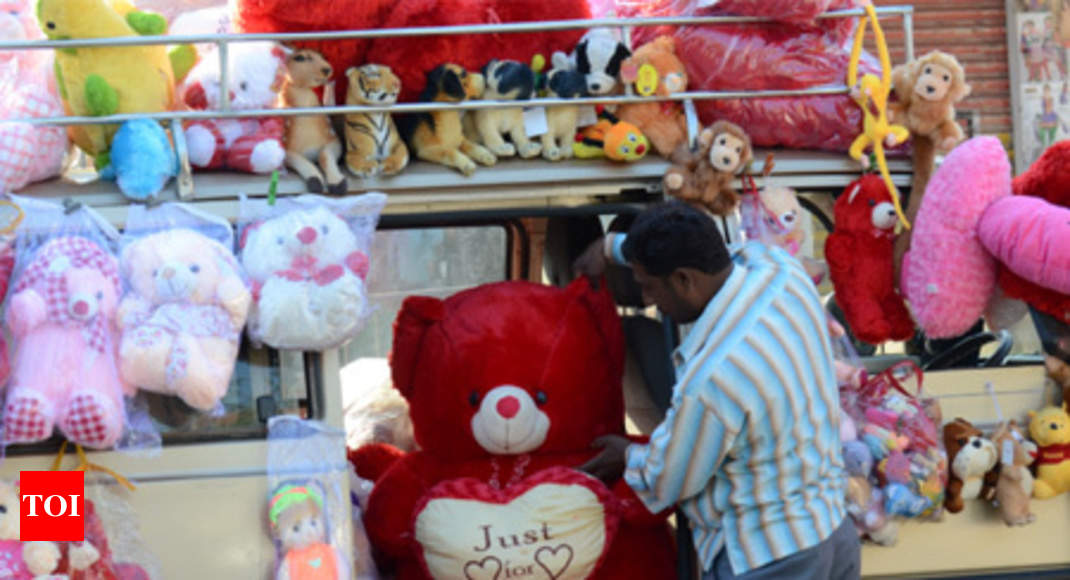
x=727, y=161
x=930, y=89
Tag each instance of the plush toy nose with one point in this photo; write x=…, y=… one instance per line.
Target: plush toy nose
x=977, y=443
x=640, y=149
x=595, y=87
x=81, y=308
x=930, y=89
x=307, y=235
x=726, y=160
x=508, y=407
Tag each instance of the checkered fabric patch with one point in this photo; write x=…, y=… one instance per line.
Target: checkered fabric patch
x=25, y=420
x=28, y=153
x=90, y=421
x=46, y=275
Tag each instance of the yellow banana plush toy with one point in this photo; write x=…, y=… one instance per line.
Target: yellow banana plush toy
x=107, y=80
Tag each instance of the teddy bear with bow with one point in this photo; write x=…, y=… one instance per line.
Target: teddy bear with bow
x=62, y=319
x=28, y=153
x=182, y=319
x=509, y=384
x=308, y=275
x=256, y=72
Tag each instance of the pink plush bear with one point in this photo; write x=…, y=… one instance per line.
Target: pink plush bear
x=61, y=317
x=27, y=89
x=256, y=71
x=183, y=316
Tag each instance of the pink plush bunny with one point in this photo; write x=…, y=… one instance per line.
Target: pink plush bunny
x=948, y=276
x=27, y=89
x=65, y=374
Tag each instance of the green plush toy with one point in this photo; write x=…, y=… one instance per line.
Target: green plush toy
x=108, y=80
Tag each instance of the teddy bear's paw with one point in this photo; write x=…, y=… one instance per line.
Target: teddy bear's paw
x=551, y=153
x=92, y=421
x=83, y=556
x=41, y=557
x=530, y=150
x=201, y=146
x=503, y=150
x=267, y=156
x=27, y=418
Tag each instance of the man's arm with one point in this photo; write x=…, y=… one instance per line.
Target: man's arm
x=684, y=452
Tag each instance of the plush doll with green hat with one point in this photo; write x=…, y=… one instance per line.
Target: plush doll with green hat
x=301, y=530
x=100, y=81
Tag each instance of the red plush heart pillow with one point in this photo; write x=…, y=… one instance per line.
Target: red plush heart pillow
x=558, y=523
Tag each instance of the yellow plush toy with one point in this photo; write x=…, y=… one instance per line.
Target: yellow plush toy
x=1050, y=429
x=107, y=80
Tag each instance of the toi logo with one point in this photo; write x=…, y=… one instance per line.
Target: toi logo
x=52, y=507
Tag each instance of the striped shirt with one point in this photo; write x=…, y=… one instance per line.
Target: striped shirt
x=750, y=448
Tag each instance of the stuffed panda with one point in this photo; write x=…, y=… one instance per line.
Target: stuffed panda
x=598, y=56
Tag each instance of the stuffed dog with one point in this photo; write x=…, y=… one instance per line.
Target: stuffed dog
x=438, y=136
x=506, y=80
x=598, y=57
x=561, y=120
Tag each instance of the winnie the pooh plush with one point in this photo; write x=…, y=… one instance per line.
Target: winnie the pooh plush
x=1050, y=429
x=103, y=81
x=182, y=319
x=509, y=384
x=62, y=319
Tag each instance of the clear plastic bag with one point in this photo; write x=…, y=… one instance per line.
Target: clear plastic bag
x=309, y=507
x=60, y=312
x=307, y=258
x=773, y=56
x=184, y=306
x=897, y=444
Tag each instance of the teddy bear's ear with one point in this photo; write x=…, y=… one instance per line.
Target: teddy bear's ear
x=418, y=314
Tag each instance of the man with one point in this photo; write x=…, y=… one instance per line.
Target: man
x=750, y=448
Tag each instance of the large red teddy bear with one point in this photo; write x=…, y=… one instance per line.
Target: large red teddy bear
x=859, y=254
x=413, y=57
x=508, y=385
x=1048, y=178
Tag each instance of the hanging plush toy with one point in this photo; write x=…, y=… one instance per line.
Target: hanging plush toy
x=28, y=153
x=96, y=82
x=612, y=139
x=255, y=73
x=859, y=254
x=706, y=176
x=508, y=385
x=62, y=319
x=182, y=319
x=655, y=69
x=308, y=268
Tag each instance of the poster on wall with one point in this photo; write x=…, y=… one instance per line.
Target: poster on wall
x=1039, y=46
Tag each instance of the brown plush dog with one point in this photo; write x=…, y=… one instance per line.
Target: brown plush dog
x=311, y=139
x=972, y=458
x=704, y=177
x=438, y=136
x=1015, y=484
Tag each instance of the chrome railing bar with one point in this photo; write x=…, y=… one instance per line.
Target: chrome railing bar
x=224, y=74
x=504, y=28
x=908, y=35
x=423, y=107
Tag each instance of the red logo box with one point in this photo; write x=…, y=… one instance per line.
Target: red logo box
x=52, y=506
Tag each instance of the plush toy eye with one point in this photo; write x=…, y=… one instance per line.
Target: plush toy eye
x=962, y=441
x=100, y=296
x=297, y=528
x=50, y=25
x=1054, y=426
x=871, y=202
x=739, y=150
x=195, y=268
x=324, y=229
x=723, y=141
x=540, y=398
x=244, y=86
x=300, y=58
x=3, y=509
x=928, y=70
x=632, y=138
x=473, y=399
x=14, y=13
x=280, y=240
x=947, y=78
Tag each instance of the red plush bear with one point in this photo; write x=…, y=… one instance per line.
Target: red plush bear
x=413, y=57
x=508, y=385
x=859, y=254
x=1049, y=179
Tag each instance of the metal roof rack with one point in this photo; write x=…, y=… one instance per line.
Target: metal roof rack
x=421, y=185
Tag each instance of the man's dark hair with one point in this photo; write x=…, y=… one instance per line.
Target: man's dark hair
x=675, y=235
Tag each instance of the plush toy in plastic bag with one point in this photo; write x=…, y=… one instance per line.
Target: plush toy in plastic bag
x=61, y=316
x=10, y=216
x=896, y=442
x=308, y=259
x=184, y=306
x=309, y=507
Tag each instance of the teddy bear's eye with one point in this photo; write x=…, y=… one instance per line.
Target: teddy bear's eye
x=473, y=399
x=723, y=141
x=540, y=398
x=947, y=78
x=300, y=58
x=3, y=509
x=1054, y=426
x=244, y=86
x=50, y=25
x=928, y=70
x=739, y=150
x=324, y=229
x=297, y=528
x=100, y=296
x=194, y=268
x=280, y=240
x=962, y=441
x=871, y=202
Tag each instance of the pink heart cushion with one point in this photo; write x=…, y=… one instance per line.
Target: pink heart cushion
x=1030, y=237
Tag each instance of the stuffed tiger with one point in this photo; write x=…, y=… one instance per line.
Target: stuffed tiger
x=373, y=145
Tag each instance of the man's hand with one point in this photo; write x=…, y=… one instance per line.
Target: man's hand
x=592, y=262
x=608, y=465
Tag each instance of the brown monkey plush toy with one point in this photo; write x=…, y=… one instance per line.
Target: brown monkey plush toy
x=704, y=176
